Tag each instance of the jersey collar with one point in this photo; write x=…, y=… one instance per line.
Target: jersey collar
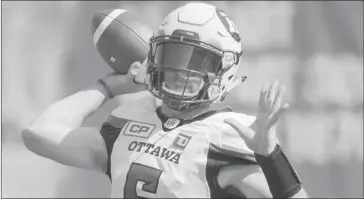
x=169, y=124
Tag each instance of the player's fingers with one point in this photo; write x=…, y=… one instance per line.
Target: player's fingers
x=140, y=76
x=272, y=92
x=134, y=68
x=245, y=132
x=278, y=99
x=275, y=117
x=263, y=96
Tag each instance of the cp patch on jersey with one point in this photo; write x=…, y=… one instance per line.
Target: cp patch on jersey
x=139, y=129
x=181, y=141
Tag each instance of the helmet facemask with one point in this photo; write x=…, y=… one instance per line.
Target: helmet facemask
x=184, y=72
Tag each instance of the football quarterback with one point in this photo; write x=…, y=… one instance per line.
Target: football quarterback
x=171, y=143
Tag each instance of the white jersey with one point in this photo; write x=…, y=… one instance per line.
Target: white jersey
x=153, y=156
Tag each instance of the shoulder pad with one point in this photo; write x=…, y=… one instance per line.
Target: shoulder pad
x=246, y=120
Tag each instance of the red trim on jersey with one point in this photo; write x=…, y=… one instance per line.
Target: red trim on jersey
x=244, y=156
x=117, y=122
x=218, y=158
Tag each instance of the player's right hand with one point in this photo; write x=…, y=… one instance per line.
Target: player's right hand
x=118, y=84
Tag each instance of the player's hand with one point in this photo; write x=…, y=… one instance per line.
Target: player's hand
x=261, y=137
x=119, y=84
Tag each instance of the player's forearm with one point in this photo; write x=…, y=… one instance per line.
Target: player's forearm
x=68, y=114
x=283, y=181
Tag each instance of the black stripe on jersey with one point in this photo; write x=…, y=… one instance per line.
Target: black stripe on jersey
x=110, y=131
x=117, y=122
x=218, y=158
x=236, y=155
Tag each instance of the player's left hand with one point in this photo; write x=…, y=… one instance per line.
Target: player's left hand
x=261, y=136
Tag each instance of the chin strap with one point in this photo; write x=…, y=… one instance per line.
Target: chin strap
x=236, y=81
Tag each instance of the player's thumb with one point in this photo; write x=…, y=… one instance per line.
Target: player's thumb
x=245, y=132
x=137, y=71
x=134, y=68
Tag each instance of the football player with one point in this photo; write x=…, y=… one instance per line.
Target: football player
x=172, y=143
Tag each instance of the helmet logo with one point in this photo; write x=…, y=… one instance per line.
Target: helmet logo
x=228, y=60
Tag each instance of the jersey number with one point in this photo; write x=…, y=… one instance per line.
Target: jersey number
x=139, y=173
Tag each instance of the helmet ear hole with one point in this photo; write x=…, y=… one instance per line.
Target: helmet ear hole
x=231, y=76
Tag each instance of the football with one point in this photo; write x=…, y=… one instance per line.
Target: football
x=121, y=38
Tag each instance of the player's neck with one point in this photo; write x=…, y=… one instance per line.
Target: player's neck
x=183, y=114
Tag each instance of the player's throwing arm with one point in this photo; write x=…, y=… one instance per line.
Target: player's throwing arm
x=57, y=133
x=120, y=38
x=261, y=138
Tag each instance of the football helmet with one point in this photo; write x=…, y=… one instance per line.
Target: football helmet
x=193, y=57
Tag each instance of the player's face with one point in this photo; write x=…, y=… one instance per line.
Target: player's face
x=182, y=82
x=192, y=64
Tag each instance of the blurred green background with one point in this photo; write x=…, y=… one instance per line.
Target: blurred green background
x=315, y=48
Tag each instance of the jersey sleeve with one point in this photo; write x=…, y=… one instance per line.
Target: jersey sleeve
x=226, y=148
x=227, y=140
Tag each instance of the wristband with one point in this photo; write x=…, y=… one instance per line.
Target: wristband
x=283, y=181
x=106, y=88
